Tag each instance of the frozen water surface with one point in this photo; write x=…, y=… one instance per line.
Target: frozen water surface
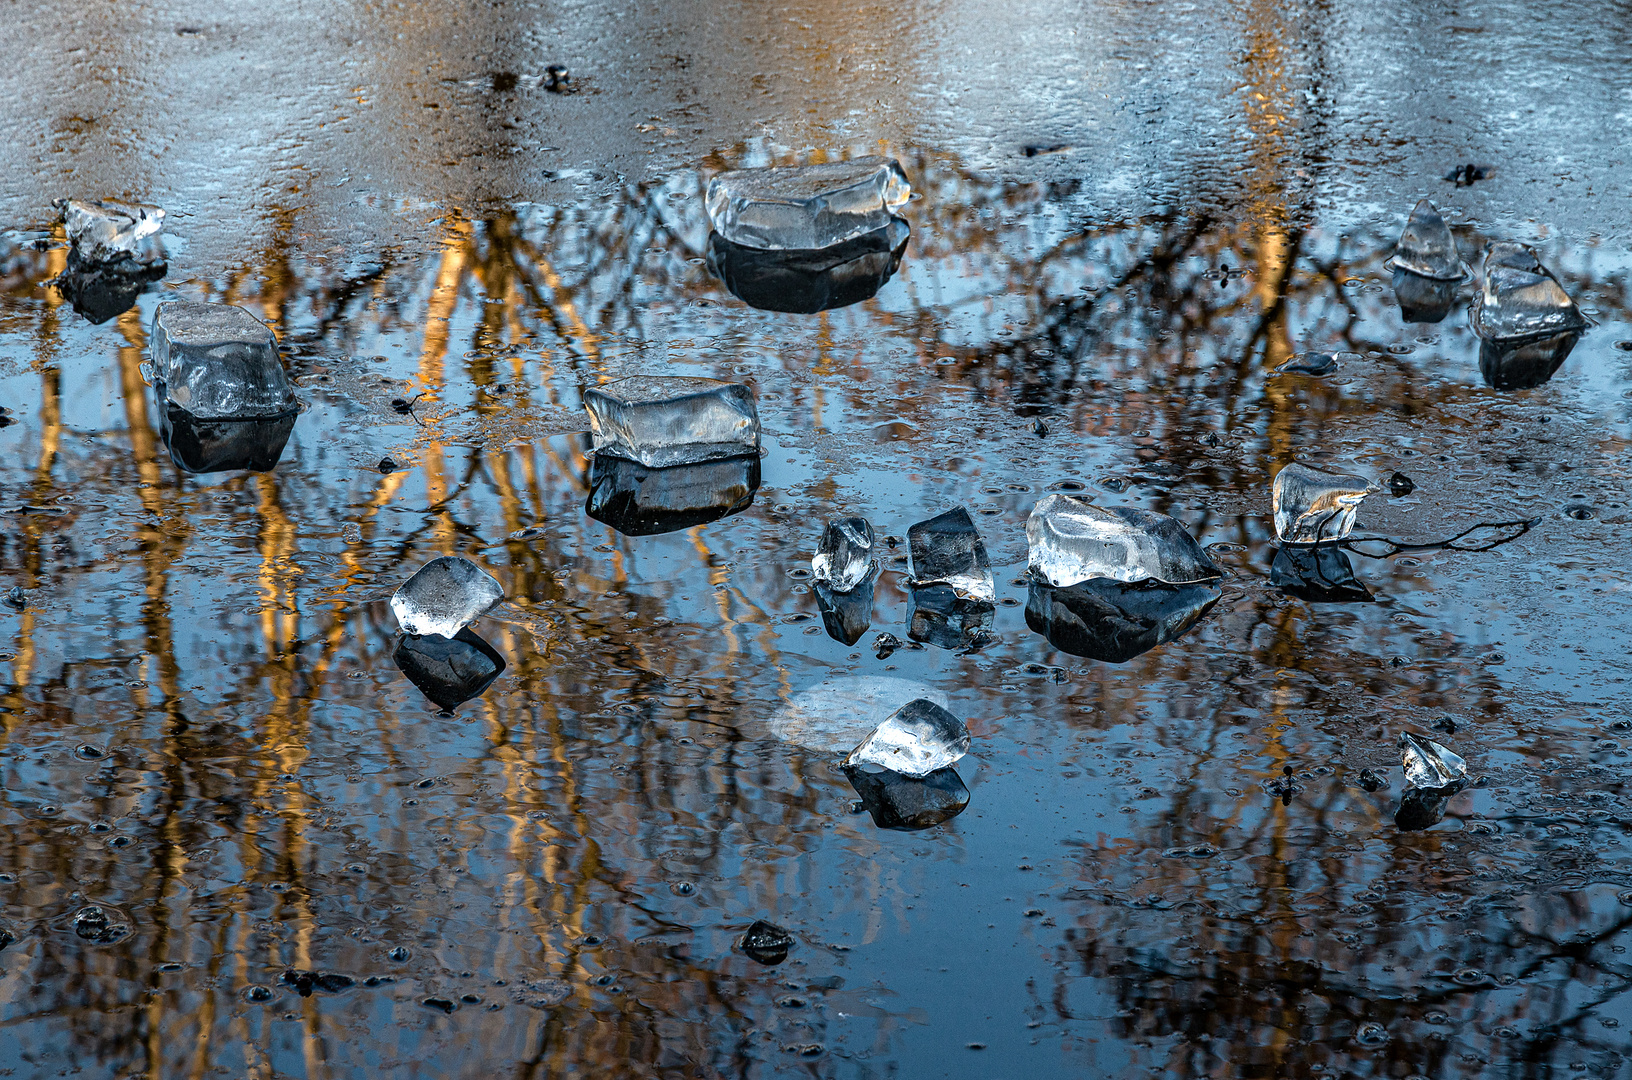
x=915, y=740
x=805, y=207
x=444, y=596
x=661, y=420
x=218, y=362
x=1072, y=540
x=1313, y=506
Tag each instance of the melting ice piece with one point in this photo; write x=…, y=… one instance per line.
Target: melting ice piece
x=1321, y=574
x=207, y=446
x=218, y=362
x=915, y=740
x=1313, y=506
x=641, y=501
x=661, y=420
x=105, y=231
x=1421, y=299
x=905, y=804
x=444, y=596
x=1427, y=248
x=1428, y=764
x=765, y=943
x=947, y=550
x=846, y=615
x=449, y=671
x=835, y=714
x=1526, y=362
x=1521, y=298
x=805, y=282
x=807, y=206
x=845, y=554
x=1071, y=540
x=1114, y=622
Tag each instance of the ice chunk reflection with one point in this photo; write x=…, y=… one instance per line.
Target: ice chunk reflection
x=906, y=804
x=1520, y=365
x=1423, y=300
x=638, y=500
x=805, y=282
x=1114, y=622
x=208, y=446
x=1423, y=808
x=1320, y=573
x=940, y=617
x=1521, y=298
x=846, y=615
x=101, y=291
x=449, y=671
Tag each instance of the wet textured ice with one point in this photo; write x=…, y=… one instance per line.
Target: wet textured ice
x=1521, y=298
x=446, y=595
x=1071, y=540
x=1429, y=764
x=917, y=739
x=808, y=206
x=661, y=420
x=218, y=362
x=1313, y=506
x=1427, y=248
x=845, y=555
x=103, y=231
x=947, y=550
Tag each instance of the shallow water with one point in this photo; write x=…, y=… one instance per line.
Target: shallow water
x=207, y=736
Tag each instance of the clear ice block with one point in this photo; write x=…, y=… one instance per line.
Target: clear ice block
x=1521, y=298
x=1428, y=764
x=218, y=362
x=845, y=555
x=107, y=231
x=1313, y=506
x=947, y=550
x=445, y=596
x=805, y=207
x=835, y=714
x=917, y=739
x=1427, y=248
x=661, y=420
x=1071, y=540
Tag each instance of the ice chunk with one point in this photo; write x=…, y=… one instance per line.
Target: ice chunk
x=1114, y=622
x=449, y=671
x=805, y=282
x=845, y=554
x=105, y=231
x=207, y=446
x=661, y=420
x=847, y=615
x=947, y=550
x=641, y=501
x=218, y=362
x=1321, y=574
x=1428, y=764
x=1526, y=362
x=1427, y=248
x=1308, y=363
x=1421, y=299
x=807, y=206
x=765, y=943
x=834, y=715
x=915, y=740
x=100, y=290
x=1072, y=540
x=445, y=596
x=938, y=616
x=905, y=804
x=1313, y=506
x=1521, y=298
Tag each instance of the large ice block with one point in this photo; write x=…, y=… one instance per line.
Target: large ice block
x=1521, y=298
x=102, y=230
x=806, y=207
x=845, y=554
x=917, y=739
x=1313, y=506
x=445, y=596
x=1427, y=248
x=661, y=420
x=947, y=550
x=640, y=501
x=218, y=362
x=1429, y=764
x=1072, y=540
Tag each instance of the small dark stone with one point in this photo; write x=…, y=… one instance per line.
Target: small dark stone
x=439, y=1004
x=1372, y=780
x=387, y=466
x=765, y=943
x=555, y=78
x=1039, y=427
x=1446, y=724
x=1400, y=485
x=1211, y=440
x=886, y=644
x=1309, y=363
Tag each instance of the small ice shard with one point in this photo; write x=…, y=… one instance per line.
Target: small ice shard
x=445, y=596
x=765, y=943
x=805, y=207
x=805, y=282
x=946, y=550
x=1427, y=248
x=938, y=616
x=832, y=716
x=640, y=501
x=1421, y=299
x=449, y=671
x=1320, y=574
x=207, y=446
x=1071, y=540
x=1428, y=764
x=1521, y=298
x=661, y=420
x=905, y=804
x=105, y=231
x=1526, y=362
x=218, y=362
x=846, y=615
x=1114, y=622
x=915, y=740
x=845, y=555
x=1313, y=506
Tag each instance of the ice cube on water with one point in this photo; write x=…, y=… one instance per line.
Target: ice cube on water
x=444, y=596
x=218, y=362
x=845, y=555
x=1071, y=540
x=1313, y=506
x=1429, y=764
x=915, y=740
x=1520, y=297
x=947, y=550
x=661, y=420
x=1427, y=248
x=806, y=207
x=105, y=231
